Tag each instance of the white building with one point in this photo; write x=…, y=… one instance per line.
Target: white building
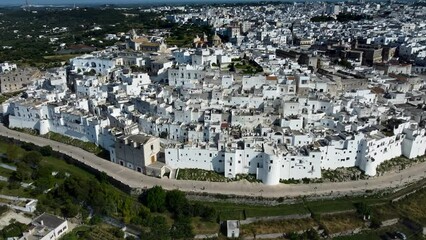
x=7, y=67
x=97, y=63
x=185, y=76
x=46, y=227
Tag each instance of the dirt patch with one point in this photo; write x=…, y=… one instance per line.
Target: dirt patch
x=11, y=216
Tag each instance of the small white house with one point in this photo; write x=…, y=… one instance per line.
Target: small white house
x=232, y=228
x=46, y=227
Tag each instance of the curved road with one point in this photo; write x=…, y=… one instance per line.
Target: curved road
x=242, y=188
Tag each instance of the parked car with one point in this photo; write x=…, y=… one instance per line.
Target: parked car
x=401, y=235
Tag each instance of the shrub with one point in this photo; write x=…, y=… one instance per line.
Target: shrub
x=155, y=199
x=28, y=146
x=46, y=151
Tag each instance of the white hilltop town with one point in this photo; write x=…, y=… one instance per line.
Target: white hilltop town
x=268, y=92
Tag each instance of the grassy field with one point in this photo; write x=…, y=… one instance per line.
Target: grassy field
x=52, y=163
x=202, y=227
x=62, y=166
x=200, y=175
x=228, y=211
x=319, y=207
x=88, y=146
x=100, y=231
x=341, y=222
x=283, y=226
x=385, y=212
x=414, y=207
x=341, y=204
x=18, y=191
x=61, y=58
x=4, y=172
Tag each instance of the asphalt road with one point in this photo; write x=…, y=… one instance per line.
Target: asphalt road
x=242, y=188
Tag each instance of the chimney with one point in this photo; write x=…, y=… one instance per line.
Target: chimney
x=42, y=223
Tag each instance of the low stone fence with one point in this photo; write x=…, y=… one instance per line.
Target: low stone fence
x=338, y=212
x=346, y=233
x=265, y=236
x=206, y=236
x=389, y=222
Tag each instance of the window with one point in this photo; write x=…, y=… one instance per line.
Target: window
x=152, y=147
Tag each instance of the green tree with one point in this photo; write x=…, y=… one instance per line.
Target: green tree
x=118, y=233
x=312, y=234
x=95, y=220
x=176, y=201
x=46, y=151
x=293, y=236
x=13, y=185
x=70, y=236
x=363, y=209
x=12, y=152
x=157, y=225
x=28, y=146
x=23, y=172
x=32, y=158
x=209, y=213
x=182, y=229
x=2, y=185
x=43, y=184
x=155, y=199
x=70, y=210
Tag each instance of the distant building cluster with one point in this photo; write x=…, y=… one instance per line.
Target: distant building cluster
x=268, y=93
